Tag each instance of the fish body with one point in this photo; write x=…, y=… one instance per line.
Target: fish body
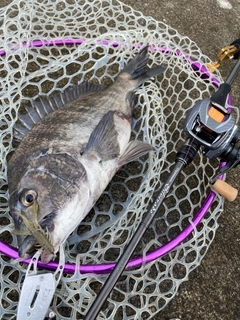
x=66, y=160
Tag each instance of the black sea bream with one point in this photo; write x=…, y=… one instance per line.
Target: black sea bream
x=66, y=160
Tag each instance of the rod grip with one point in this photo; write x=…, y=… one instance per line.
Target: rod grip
x=225, y=190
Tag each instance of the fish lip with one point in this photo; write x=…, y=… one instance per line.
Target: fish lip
x=24, y=248
x=26, y=252
x=46, y=257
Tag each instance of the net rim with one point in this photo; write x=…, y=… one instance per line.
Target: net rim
x=70, y=268
x=59, y=42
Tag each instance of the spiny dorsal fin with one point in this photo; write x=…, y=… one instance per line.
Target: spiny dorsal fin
x=46, y=106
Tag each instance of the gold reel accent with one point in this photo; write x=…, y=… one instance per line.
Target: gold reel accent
x=225, y=53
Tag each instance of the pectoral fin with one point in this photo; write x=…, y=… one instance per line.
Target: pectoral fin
x=135, y=149
x=103, y=140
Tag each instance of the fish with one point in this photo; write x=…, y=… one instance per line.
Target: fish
x=71, y=146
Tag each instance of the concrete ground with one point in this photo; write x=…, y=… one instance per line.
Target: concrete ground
x=212, y=291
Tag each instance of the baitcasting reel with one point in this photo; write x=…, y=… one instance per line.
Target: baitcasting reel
x=211, y=125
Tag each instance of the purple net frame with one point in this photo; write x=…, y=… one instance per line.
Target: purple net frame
x=69, y=268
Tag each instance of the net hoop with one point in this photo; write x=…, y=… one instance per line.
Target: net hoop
x=136, y=262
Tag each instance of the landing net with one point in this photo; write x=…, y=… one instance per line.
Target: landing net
x=47, y=46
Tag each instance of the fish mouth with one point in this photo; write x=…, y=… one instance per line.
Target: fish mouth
x=28, y=245
x=28, y=248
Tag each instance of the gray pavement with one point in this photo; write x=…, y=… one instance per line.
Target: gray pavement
x=212, y=291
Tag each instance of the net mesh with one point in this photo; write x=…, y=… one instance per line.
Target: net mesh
x=110, y=34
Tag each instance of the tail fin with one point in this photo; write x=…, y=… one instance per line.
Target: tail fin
x=136, y=68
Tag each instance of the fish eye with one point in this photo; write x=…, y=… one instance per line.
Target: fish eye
x=27, y=197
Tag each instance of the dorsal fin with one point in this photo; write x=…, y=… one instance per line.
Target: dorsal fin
x=46, y=106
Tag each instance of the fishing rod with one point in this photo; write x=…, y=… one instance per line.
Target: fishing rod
x=209, y=125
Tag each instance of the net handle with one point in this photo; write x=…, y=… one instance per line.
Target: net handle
x=69, y=268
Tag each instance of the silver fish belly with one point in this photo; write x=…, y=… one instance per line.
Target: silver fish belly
x=66, y=159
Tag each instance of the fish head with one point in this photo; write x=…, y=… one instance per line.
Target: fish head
x=32, y=215
x=33, y=206
x=47, y=206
